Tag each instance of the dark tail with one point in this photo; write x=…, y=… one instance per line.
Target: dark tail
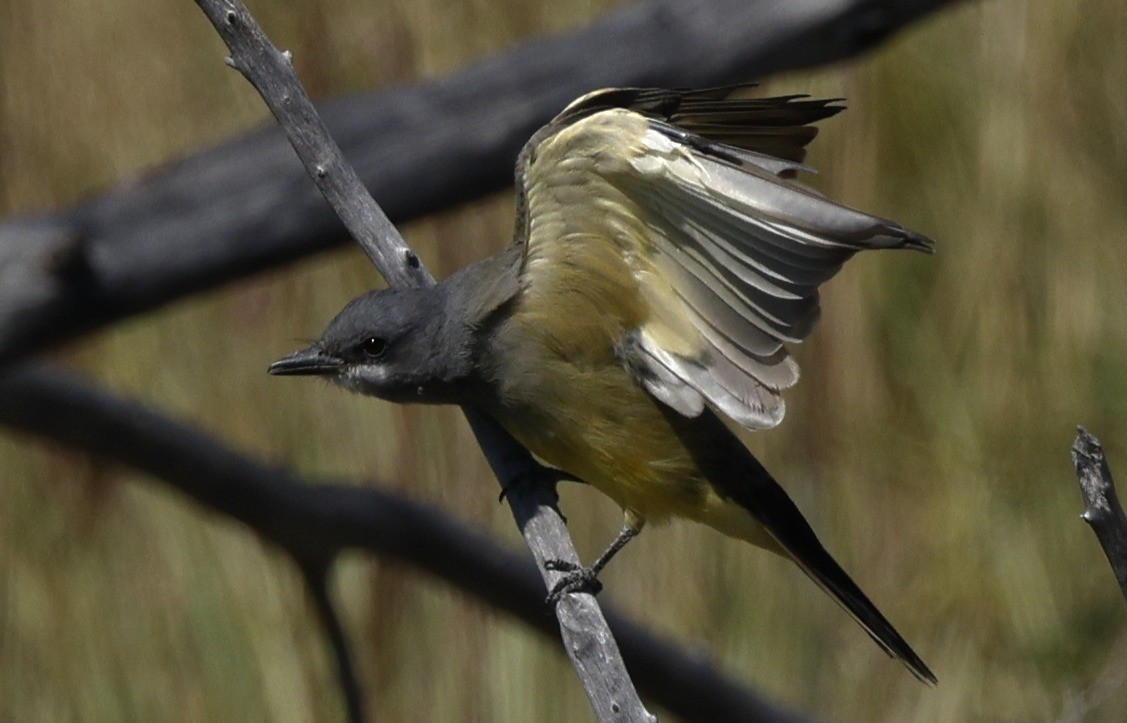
x=737, y=475
x=807, y=552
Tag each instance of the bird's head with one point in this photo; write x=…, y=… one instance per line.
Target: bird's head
x=399, y=345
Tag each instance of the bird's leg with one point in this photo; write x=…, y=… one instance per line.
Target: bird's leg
x=586, y=579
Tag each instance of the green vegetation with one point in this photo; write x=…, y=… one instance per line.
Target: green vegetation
x=928, y=441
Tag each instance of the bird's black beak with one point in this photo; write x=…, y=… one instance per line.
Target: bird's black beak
x=307, y=362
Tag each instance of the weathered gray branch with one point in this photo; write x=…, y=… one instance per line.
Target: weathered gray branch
x=247, y=205
x=586, y=635
x=316, y=519
x=271, y=72
x=1101, y=503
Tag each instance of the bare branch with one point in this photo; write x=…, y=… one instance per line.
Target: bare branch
x=587, y=638
x=1102, y=509
x=245, y=206
x=316, y=573
x=314, y=520
x=271, y=73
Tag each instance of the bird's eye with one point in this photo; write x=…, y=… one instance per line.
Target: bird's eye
x=373, y=347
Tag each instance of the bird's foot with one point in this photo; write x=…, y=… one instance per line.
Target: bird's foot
x=576, y=578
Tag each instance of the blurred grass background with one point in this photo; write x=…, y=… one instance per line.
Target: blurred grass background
x=928, y=443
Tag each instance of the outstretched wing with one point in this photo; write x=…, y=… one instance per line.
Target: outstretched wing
x=721, y=253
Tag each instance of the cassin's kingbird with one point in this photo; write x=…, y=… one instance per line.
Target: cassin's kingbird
x=664, y=257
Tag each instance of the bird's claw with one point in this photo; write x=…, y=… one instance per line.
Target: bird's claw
x=575, y=579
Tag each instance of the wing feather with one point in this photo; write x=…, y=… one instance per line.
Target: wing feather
x=726, y=252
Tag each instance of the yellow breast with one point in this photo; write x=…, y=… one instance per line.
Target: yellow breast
x=564, y=393
x=598, y=425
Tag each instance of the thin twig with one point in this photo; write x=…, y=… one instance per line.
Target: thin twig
x=1102, y=509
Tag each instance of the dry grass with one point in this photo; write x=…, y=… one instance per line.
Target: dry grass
x=928, y=442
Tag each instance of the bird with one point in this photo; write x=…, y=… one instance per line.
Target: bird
x=665, y=255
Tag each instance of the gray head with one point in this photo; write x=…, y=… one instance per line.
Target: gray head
x=401, y=345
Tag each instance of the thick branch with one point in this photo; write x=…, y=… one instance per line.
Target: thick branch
x=1102, y=509
x=314, y=520
x=247, y=206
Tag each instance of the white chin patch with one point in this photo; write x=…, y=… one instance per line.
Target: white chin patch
x=363, y=378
